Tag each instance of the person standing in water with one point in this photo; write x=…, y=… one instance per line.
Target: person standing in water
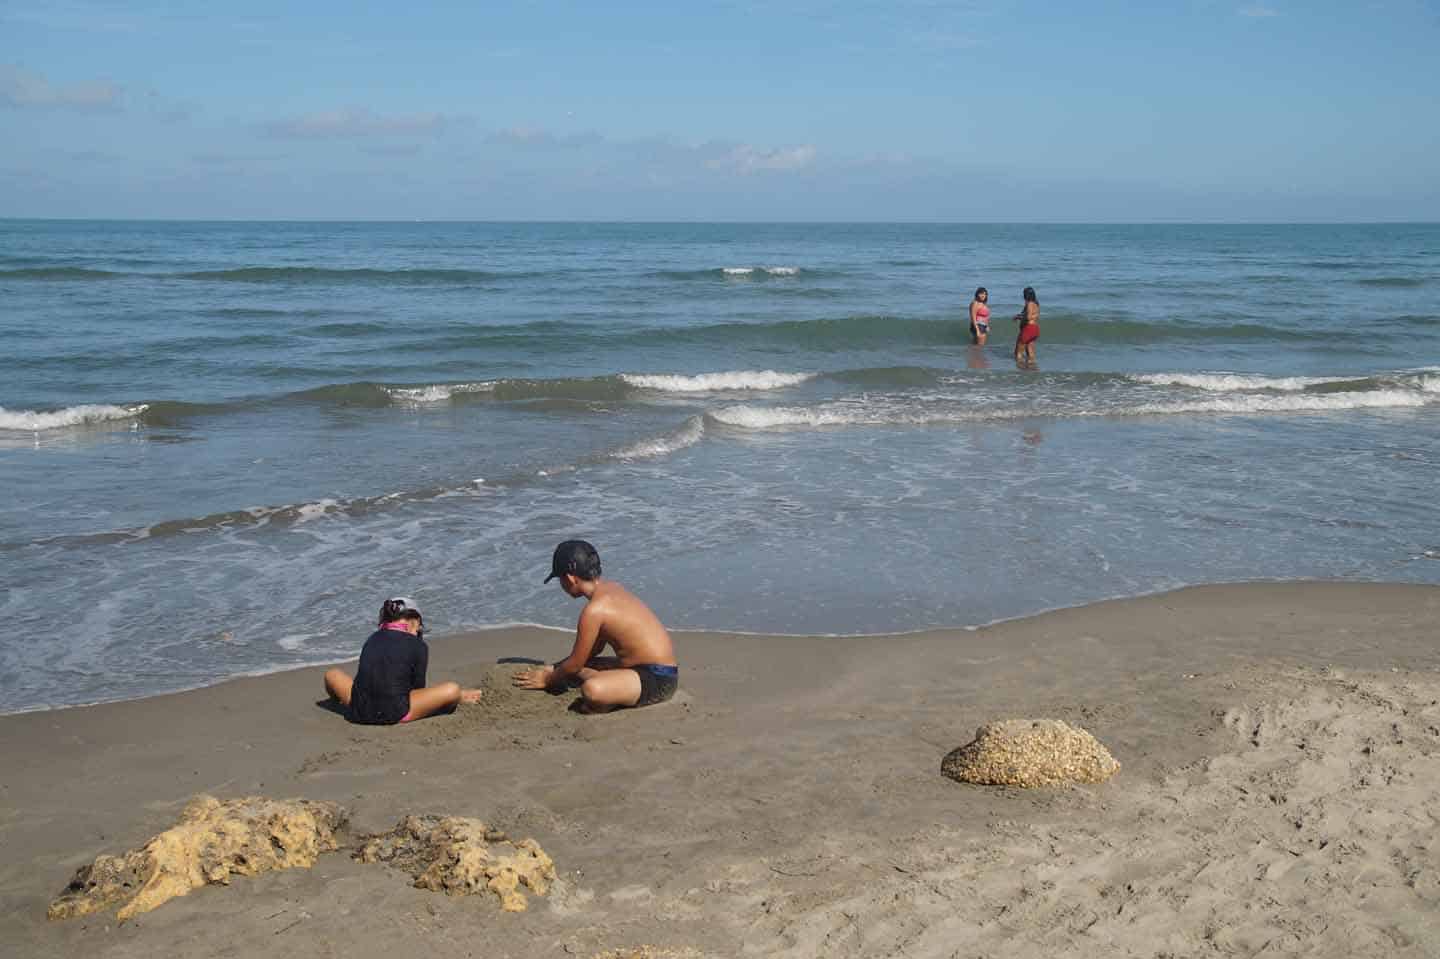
x=980, y=317
x=1029, y=320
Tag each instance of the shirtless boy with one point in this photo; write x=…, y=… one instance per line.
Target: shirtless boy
x=642, y=671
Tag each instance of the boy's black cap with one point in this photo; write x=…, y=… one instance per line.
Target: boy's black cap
x=577, y=557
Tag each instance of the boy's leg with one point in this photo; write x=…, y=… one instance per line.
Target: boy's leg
x=607, y=689
x=338, y=684
x=434, y=699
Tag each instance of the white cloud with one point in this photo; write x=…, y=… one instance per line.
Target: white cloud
x=670, y=156
x=1256, y=10
x=746, y=159
x=525, y=136
x=168, y=110
x=26, y=89
x=356, y=123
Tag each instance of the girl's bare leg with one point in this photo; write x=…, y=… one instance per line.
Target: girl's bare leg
x=338, y=684
x=434, y=699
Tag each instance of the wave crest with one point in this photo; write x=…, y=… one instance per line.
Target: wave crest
x=690, y=433
x=1232, y=382
x=715, y=382
x=437, y=392
x=34, y=421
x=765, y=270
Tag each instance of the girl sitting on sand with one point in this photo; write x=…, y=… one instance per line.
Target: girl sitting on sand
x=389, y=684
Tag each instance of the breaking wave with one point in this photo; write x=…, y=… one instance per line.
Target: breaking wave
x=715, y=382
x=747, y=416
x=36, y=421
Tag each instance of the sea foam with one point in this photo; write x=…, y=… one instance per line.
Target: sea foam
x=1230, y=382
x=771, y=417
x=779, y=417
x=752, y=270
x=1301, y=403
x=33, y=421
x=687, y=435
x=436, y=393
x=715, y=382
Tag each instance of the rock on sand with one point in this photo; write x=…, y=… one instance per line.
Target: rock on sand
x=1030, y=752
x=212, y=841
x=460, y=856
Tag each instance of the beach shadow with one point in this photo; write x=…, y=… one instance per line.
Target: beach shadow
x=520, y=661
x=331, y=706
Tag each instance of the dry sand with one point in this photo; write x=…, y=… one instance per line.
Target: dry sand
x=1280, y=795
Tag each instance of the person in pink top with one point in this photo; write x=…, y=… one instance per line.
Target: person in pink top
x=980, y=317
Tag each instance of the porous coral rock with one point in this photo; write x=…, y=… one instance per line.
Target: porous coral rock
x=1030, y=752
x=211, y=842
x=459, y=856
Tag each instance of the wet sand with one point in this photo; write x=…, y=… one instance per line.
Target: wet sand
x=1280, y=746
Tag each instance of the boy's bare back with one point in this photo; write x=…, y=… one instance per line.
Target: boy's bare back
x=618, y=618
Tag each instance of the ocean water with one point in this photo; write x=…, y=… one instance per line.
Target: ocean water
x=223, y=444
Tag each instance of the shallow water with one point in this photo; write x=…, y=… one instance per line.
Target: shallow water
x=224, y=444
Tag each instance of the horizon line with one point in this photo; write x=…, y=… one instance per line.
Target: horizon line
x=718, y=222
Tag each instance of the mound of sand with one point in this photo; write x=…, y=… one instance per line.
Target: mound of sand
x=504, y=700
x=1030, y=752
x=459, y=856
x=504, y=708
x=211, y=842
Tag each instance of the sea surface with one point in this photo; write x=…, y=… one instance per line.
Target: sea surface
x=222, y=445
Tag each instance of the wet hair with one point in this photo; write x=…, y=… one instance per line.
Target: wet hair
x=1029, y=294
x=979, y=290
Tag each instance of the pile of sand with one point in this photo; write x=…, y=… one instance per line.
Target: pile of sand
x=537, y=715
x=1030, y=752
x=212, y=841
x=459, y=856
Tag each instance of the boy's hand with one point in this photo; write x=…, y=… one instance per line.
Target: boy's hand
x=538, y=678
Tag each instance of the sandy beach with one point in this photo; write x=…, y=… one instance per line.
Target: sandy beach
x=1280, y=746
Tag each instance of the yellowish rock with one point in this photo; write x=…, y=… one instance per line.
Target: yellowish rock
x=459, y=857
x=1030, y=752
x=211, y=842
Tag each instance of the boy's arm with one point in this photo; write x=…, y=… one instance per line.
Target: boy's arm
x=587, y=644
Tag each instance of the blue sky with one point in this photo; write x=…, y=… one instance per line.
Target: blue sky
x=788, y=110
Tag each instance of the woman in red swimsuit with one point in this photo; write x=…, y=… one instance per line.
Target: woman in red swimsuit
x=980, y=317
x=1029, y=320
